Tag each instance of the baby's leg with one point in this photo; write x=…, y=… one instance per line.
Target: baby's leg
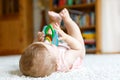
x=72, y=28
x=74, y=31
x=55, y=17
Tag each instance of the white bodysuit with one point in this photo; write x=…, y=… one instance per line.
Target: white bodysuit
x=61, y=63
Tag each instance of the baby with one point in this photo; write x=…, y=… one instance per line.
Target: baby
x=43, y=58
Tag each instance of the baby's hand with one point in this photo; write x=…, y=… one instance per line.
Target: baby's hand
x=60, y=31
x=41, y=36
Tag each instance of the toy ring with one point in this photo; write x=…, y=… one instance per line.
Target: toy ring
x=50, y=37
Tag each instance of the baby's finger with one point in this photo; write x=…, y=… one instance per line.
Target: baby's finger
x=40, y=34
x=41, y=39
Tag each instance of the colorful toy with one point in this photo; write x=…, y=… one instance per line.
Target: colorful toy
x=51, y=37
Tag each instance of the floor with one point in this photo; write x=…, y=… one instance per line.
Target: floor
x=95, y=67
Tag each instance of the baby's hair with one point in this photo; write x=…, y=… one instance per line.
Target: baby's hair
x=36, y=61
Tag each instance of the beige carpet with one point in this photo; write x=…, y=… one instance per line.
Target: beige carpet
x=95, y=67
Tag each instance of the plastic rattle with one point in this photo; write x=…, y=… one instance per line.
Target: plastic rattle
x=51, y=37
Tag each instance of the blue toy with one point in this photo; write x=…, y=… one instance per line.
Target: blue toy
x=53, y=38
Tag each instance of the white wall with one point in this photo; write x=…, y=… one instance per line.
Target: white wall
x=110, y=25
x=37, y=17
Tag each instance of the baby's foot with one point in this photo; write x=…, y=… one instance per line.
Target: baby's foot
x=65, y=15
x=55, y=17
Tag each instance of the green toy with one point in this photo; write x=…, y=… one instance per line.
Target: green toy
x=53, y=37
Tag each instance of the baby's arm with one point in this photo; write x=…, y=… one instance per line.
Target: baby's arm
x=74, y=37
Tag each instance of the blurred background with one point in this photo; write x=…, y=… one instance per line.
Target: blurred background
x=98, y=20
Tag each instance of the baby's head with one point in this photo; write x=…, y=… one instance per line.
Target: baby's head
x=37, y=61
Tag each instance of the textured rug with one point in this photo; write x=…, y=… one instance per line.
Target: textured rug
x=95, y=67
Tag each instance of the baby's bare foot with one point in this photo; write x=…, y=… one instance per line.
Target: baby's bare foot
x=55, y=17
x=65, y=15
